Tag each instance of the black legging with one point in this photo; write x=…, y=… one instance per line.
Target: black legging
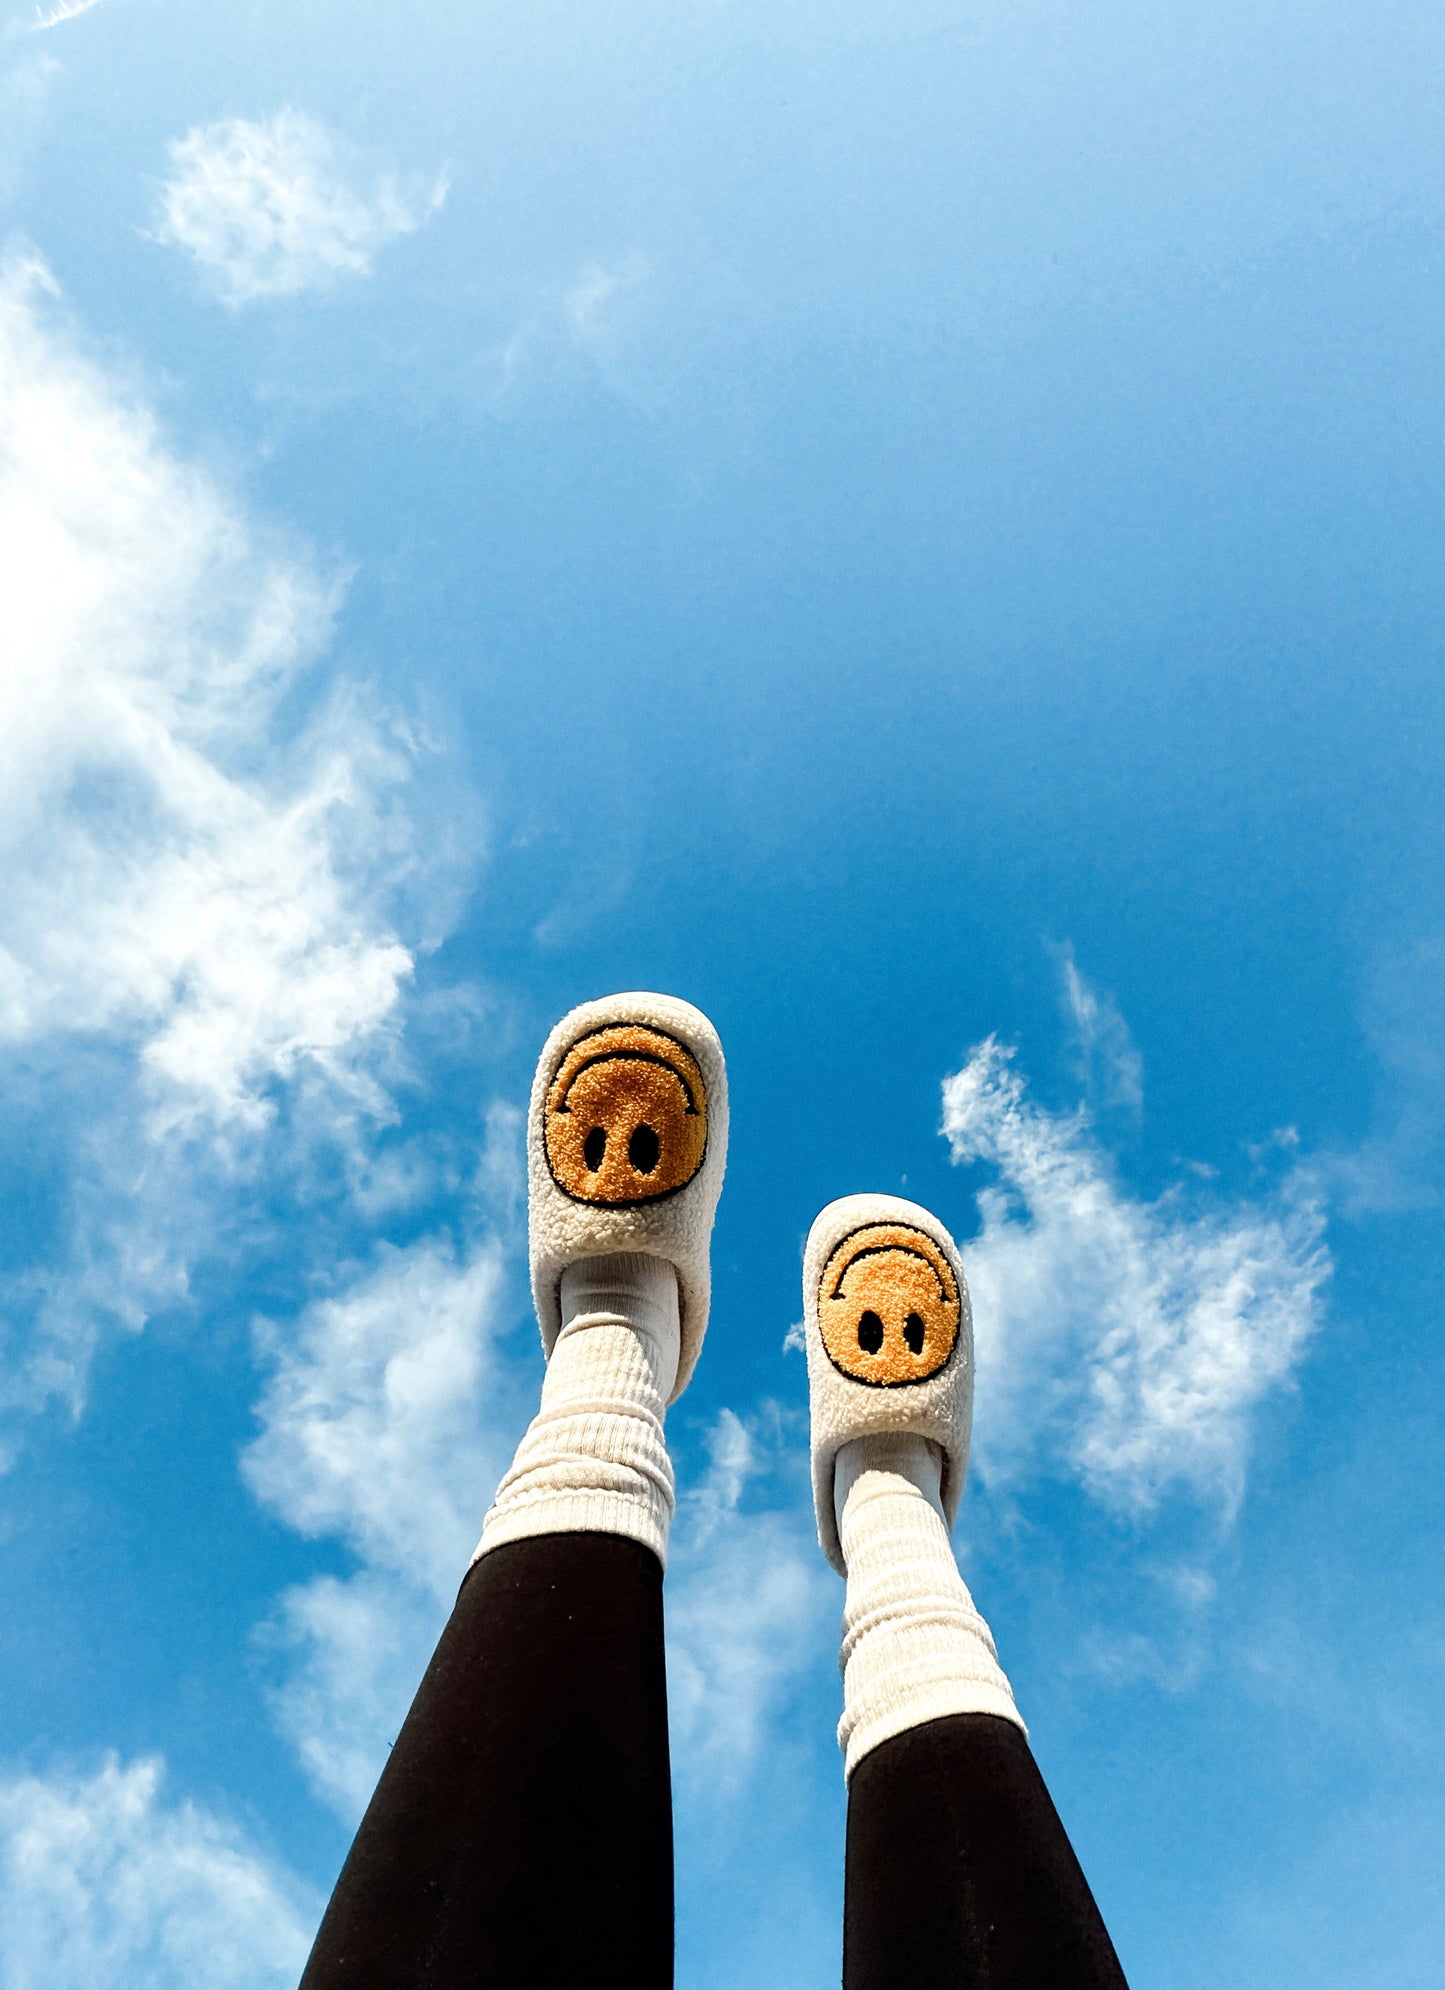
x=521, y=1833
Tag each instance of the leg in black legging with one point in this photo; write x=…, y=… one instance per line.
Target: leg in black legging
x=521, y=1833
x=959, y=1872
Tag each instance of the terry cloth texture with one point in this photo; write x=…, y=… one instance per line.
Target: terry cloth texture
x=914, y=1646
x=890, y=1341
x=626, y=1144
x=594, y=1458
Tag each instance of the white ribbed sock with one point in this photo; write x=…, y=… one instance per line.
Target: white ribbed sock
x=914, y=1646
x=594, y=1459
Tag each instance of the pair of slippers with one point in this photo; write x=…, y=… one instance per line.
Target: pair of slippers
x=626, y=1146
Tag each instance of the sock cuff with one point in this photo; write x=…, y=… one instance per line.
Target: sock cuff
x=922, y=1697
x=580, y=1510
x=568, y=1491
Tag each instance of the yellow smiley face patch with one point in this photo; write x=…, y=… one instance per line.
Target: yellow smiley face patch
x=625, y=1119
x=888, y=1306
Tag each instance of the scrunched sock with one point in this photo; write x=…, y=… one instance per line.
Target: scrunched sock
x=914, y=1646
x=594, y=1459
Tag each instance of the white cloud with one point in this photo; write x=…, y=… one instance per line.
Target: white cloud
x=355, y=1651
x=54, y=17
x=158, y=886
x=386, y=1424
x=188, y=885
x=1122, y=1341
x=103, y=1886
x=266, y=211
x=752, y=1608
x=196, y=946
x=1108, y=1060
x=372, y=1419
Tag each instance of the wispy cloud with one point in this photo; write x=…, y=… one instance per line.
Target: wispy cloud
x=591, y=305
x=350, y=1655
x=1107, y=1059
x=1123, y=1342
x=592, y=319
x=159, y=885
x=105, y=1886
x=192, y=895
x=53, y=17
x=386, y=1424
x=267, y=208
x=752, y=1608
x=370, y=1419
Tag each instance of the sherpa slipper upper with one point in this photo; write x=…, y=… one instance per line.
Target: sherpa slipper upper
x=890, y=1340
x=626, y=1143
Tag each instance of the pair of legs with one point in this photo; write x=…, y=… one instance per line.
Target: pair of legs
x=521, y=1833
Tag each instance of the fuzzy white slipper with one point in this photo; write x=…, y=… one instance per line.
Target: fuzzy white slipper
x=890, y=1341
x=626, y=1143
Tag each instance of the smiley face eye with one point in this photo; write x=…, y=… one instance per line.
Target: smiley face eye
x=644, y=1149
x=913, y=1332
x=594, y=1147
x=870, y=1332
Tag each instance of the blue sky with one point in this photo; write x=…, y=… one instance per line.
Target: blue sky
x=917, y=529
